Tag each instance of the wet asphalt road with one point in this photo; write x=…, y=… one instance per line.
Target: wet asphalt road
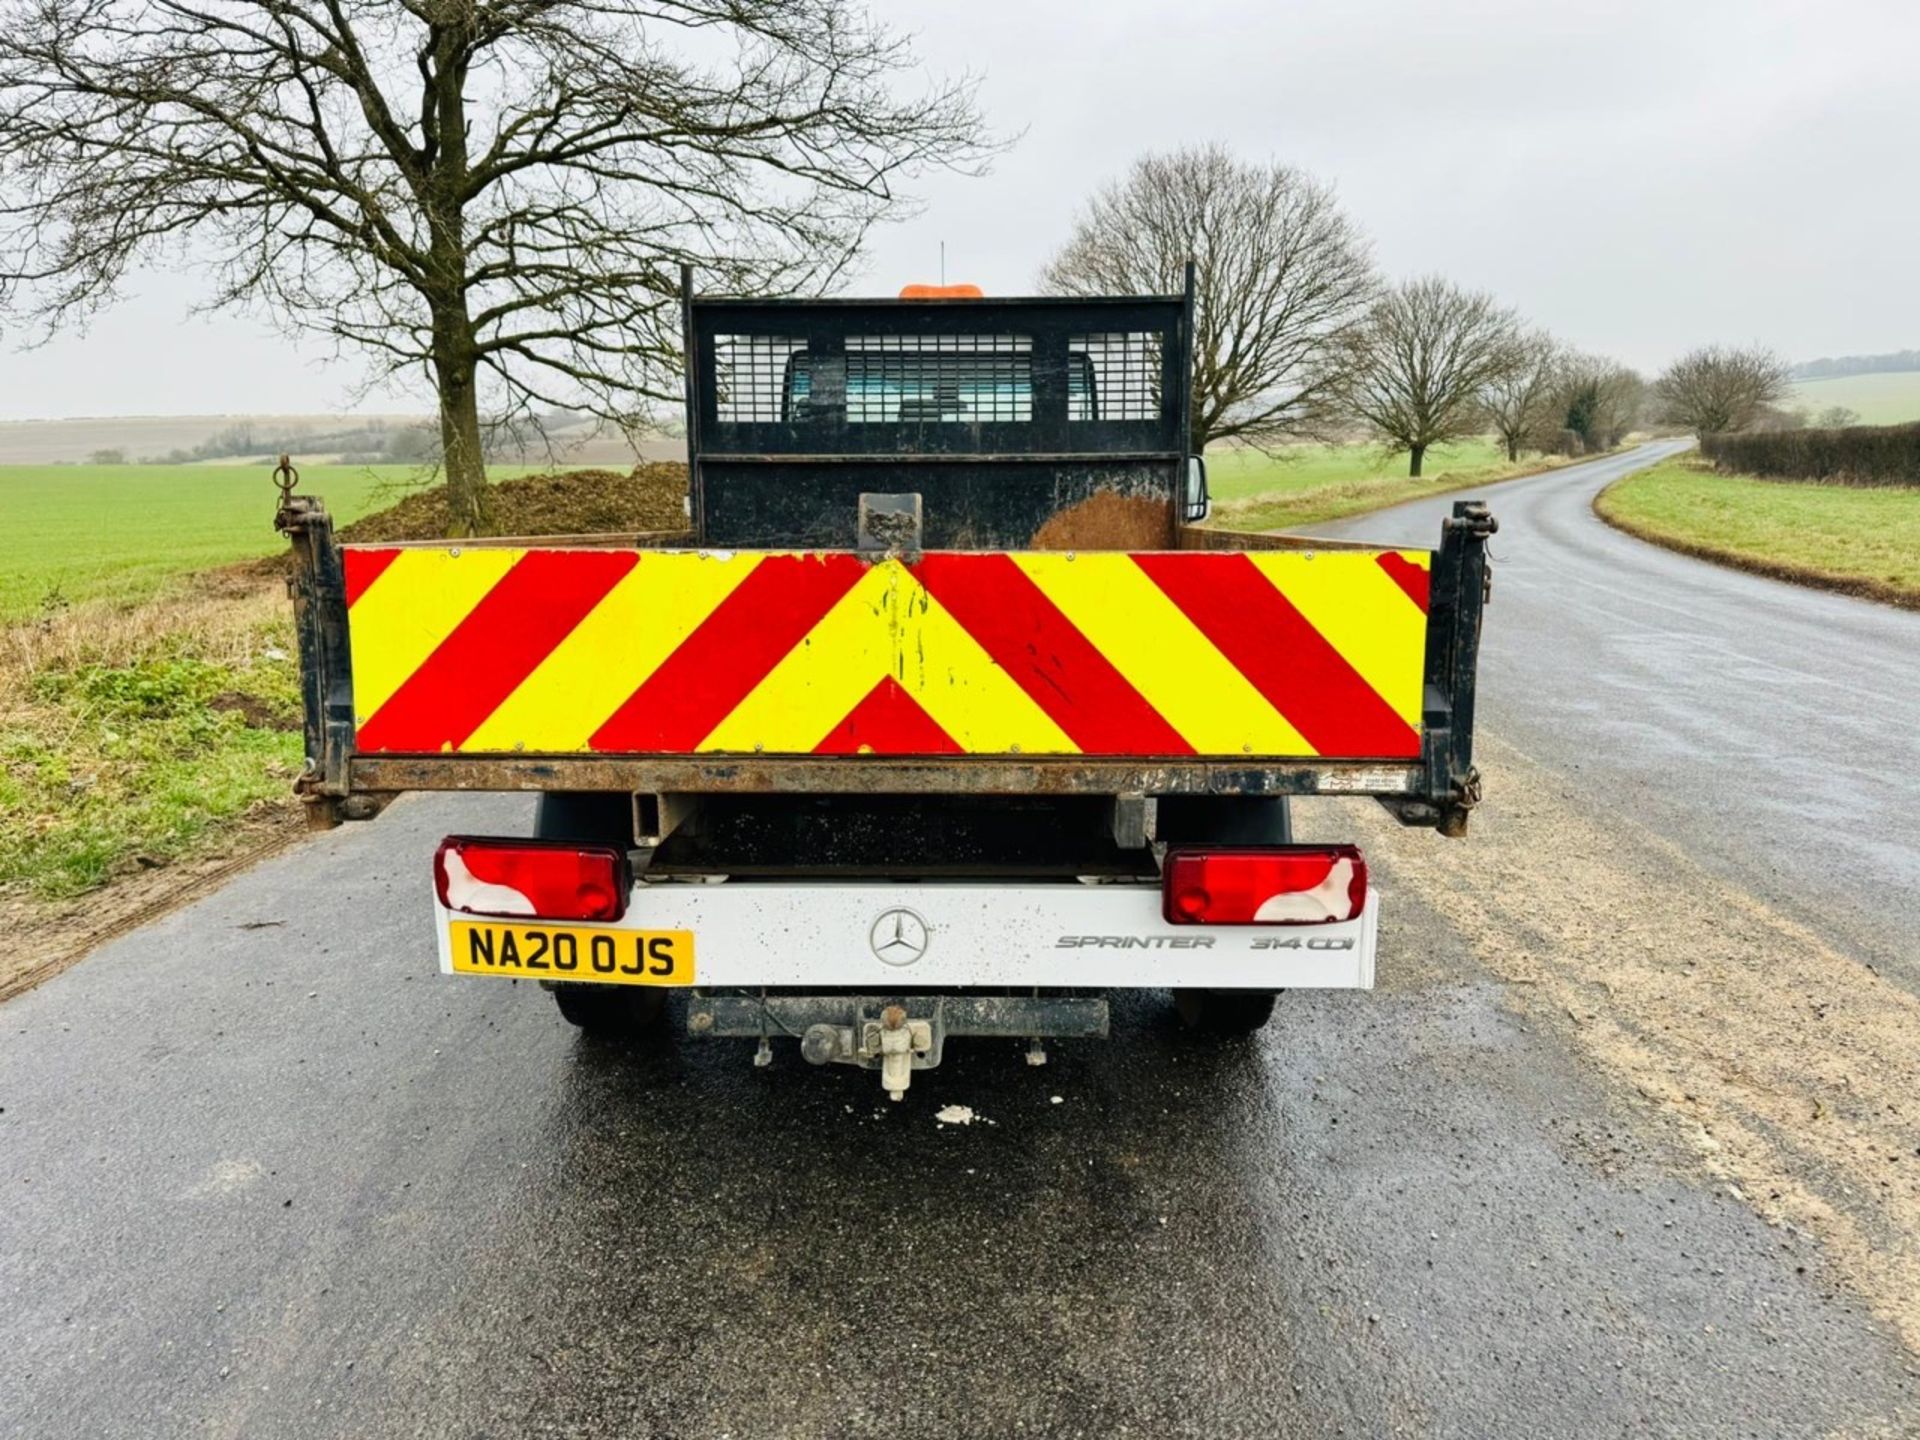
x=266, y=1174
x=1768, y=728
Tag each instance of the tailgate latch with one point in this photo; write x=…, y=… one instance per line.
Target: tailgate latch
x=890, y=524
x=1474, y=518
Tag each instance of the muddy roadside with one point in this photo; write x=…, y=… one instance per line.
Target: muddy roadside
x=1788, y=1069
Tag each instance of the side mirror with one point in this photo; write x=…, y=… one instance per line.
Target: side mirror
x=1197, y=503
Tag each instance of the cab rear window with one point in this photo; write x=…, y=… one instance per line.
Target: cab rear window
x=964, y=380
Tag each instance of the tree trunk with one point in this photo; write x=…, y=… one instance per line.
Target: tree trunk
x=1513, y=451
x=456, y=358
x=1417, y=453
x=461, y=456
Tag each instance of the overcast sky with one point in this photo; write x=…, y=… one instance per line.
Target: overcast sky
x=1637, y=175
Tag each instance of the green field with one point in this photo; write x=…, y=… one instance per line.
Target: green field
x=80, y=532
x=70, y=533
x=1307, y=483
x=1855, y=538
x=1879, y=399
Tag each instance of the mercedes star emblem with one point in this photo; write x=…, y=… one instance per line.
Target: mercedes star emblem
x=899, y=936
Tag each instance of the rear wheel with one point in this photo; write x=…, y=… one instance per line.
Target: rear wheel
x=611, y=1012
x=1225, y=820
x=607, y=1011
x=1224, y=1012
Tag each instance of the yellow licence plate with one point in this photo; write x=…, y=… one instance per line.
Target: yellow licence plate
x=568, y=952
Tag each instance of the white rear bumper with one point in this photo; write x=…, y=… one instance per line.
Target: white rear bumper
x=932, y=936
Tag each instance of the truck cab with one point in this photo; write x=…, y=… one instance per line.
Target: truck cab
x=1021, y=424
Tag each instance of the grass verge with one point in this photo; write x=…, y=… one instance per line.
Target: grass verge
x=150, y=735
x=1309, y=483
x=1856, y=540
x=131, y=736
x=140, y=745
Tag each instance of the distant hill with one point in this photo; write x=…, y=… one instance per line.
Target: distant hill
x=313, y=439
x=138, y=437
x=1889, y=399
x=1832, y=368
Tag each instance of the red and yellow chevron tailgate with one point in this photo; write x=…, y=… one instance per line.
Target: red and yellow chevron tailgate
x=1277, y=654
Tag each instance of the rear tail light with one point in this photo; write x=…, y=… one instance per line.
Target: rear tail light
x=1278, y=885
x=546, y=879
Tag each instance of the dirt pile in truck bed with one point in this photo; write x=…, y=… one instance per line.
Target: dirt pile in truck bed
x=571, y=502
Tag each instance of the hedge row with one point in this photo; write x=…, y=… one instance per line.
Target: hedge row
x=1856, y=455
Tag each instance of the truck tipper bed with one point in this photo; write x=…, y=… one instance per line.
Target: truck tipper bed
x=944, y=717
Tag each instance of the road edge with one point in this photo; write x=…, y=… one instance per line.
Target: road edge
x=1805, y=576
x=1448, y=488
x=163, y=903
x=1336, y=529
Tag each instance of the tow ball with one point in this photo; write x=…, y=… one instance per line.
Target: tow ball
x=893, y=1040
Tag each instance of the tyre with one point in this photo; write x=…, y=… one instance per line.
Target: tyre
x=1224, y=1012
x=1225, y=820
x=610, y=1012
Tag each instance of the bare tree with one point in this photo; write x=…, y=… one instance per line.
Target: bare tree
x=1519, y=397
x=495, y=192
x=1416, y=371
x=1719, y=387
x=1837, y=417
x=1596, y=400
x=1779, y=418
x=1282, y=276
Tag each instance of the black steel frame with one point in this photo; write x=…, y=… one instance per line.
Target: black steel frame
x=827, y=437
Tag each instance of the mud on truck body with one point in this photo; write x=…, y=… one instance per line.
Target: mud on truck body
x=944, y=718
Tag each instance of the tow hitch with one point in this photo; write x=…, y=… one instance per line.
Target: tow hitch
x=893, y=1042
x=881, y=1032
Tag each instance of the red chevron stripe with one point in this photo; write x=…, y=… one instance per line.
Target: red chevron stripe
x=531, y=609
x=731, y=651
x=888, y=721
x=363, y=567
x=1292, y=664
x=1410, y=577
x=1027, y=636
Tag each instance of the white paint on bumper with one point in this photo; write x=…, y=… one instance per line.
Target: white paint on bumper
x=936, y=936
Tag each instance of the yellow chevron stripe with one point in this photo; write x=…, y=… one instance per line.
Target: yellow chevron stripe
x=888, y=625
x=1165, y=656
x=410, y=609
x=1363, y=614
x=823, y=677
x=964, y=689
x=609, y=654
